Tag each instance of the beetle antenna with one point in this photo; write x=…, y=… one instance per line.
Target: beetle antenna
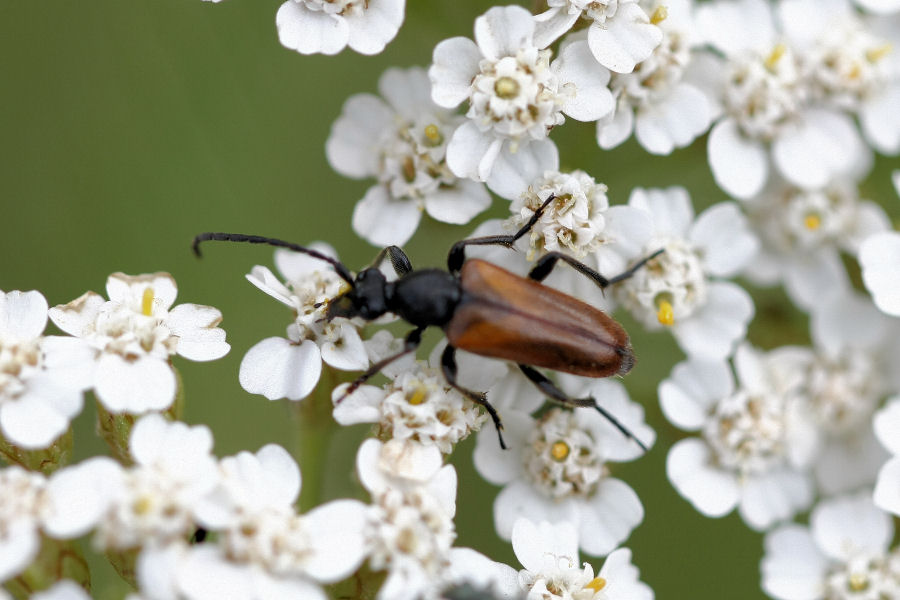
x=339, y=267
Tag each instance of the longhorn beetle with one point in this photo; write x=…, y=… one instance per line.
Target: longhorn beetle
x=486, y=310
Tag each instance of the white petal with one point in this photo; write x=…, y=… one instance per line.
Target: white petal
x=609, y=517
x=850, y=463
x=339, y=529
x=811, y=278
x=373, y=28
x=880, y=6
x=65, y=589
x=471, y=152
x=623, y=578
x=278, y=368
x=793, y=568
x=265, y=280
x=513, y=173
x=669, y=208
x=615, y=127
x=518, y=499
x=198, y=337
x=673, y=122
x=70, y=362
x=78, y=316
x=688, y=395
x=550, y=25
x=536, y=544
x=455, y=65
x=713, y=491
x=129, y=289
x=625, y=40
x=733, y=27
x=503, y=31
x=348, y=353
x=31, y=423
x=887, y=425
x=849, y=525
x=79, y=496
x=724, y=238
x=352, y=146
x=887, y=487
x=23, y=315
x=296, y=266
x=205, y=575
x=459, y=204
x=382, y=220
x=715, y=328
x=408, y=91
x=775, y=496
x=816, y=148
x=362, y=406
x=881, y=122
x=592, y=99
x=739, y=165
x=138, y=386
x=281, y=472
x=879, y=258
x=19, y=545
x=310, y=31
x=492, y=462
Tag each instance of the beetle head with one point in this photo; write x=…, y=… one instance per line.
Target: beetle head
x=365, y=298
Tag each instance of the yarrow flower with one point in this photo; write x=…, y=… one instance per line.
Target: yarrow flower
x=329, y=26
x=515, y=94
x=402, y=141
x=135, y=333
x=290, y=368
x=559, y=468
x=42, y=378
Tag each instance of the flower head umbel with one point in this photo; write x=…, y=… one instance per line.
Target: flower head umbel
x=621, y=33
x=558, y=468
x=843, y=554
x=549, y=554
x=677, y=289
x=329, y=26
x=41, y=377
x=515, y=95
x=290, y=368
x=135, y=333
x=402, y=141
x=755, y=438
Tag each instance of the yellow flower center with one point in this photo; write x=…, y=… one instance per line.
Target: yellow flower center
x=659, y=15
x=418, y=396
x=506, y=88
x=559, y=451
x=147, y=302
x=596, y=584
x=433, y=134
x=812, y=222
x=665, y=313
x=774, y=56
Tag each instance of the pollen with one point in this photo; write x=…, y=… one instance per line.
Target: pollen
x=147, y=302
x=659, y=15
x=433, y=134
x=858, y=582
x=812, y=222
x=876, y=54
x=559, y=451
x=666, y=313
x=506, y=87
x=774, y=56
x=596, y=584
x=418, y=396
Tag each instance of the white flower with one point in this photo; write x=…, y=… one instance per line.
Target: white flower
x=328, y=26
x=135, y=333
x=20, y=511
x=290, y=368
x=850, y=65
x=41, y=377
x=842, y=554
x=658, y=100
x=880, y=6
x=621, y=33
x=514, y=94
x=402, y=141
x=879, y=257
x=62, y=590
x=411, y=523
x=558, y=468
x=887, y=428
x=803, y=233
x=769, y=104
x=549, y=553
x=755, y=440
x=708, y=317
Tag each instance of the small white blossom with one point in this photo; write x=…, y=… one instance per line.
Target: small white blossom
x=135, y=333
x=329, y=26
x=515, y=95
x=677, y=289
x=549, y=553
x=558, y=468
x=620, y=35
x=20, y=511
x=842, y=555
x=755, y=438
x=290, y=368
x=41, y=377
x=402, y=141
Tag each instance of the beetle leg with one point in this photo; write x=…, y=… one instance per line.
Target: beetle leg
x=549, y=388
x=457, y=255
x=544, y=266
x=448, y=365
x=399, y=260
x=410, y=343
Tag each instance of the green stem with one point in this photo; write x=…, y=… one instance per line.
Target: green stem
x=314, y=427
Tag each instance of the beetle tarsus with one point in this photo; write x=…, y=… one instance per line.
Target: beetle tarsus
x=410, y=343
x=448, y=366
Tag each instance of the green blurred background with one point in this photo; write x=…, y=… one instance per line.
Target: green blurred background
x=127, y=127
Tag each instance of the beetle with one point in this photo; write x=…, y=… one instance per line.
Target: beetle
x=486, y=310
